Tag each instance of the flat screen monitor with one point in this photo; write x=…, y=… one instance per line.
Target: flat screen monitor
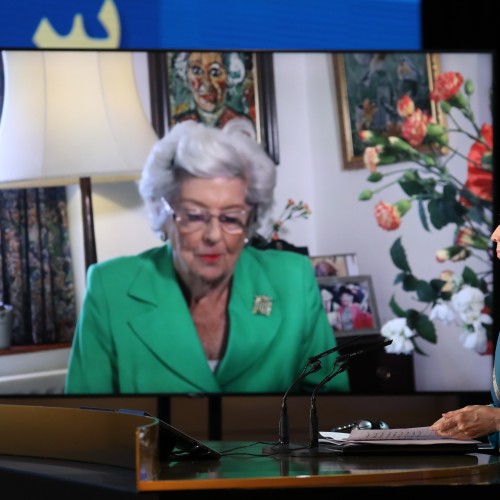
x=383, y=227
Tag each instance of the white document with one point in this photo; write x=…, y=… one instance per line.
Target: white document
x=410, y=435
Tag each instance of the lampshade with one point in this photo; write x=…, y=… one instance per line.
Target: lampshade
x=71, y=114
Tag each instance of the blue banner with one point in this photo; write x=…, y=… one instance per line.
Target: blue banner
x=216, y=24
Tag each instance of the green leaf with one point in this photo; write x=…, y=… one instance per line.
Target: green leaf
x=396, y=309
x=417, y=349
x=476, y=213
x=484, y=287
x=413, y=185
x=449, y=192
x=425, y=292
x=423, y=215
x=398, y=256
x=399, y=278
x=470, y=277
x=437, y=284
x=412, y=318
x=446, y=210
x=412, y=188
x=426, y=329
x=410, y=283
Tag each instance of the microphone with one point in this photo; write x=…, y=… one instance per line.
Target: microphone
x=371, y=347
x=340, y=365
x=313, y=415
x=317, y=357
x=313, y=365
x=283, y=435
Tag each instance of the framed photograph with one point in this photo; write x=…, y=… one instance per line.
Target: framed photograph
x=335, y=265
x=368, y=87
x=216, y=87
x=350, y=305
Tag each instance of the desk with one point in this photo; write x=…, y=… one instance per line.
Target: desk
x=252, y=475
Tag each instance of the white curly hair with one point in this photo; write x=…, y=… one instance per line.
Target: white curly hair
x=193, y=149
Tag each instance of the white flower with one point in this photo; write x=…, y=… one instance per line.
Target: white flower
x=443, y=312
x=476, y=339
x=468, y=303
x=397, y=330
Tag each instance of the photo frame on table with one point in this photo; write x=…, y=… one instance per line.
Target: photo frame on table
x=240, y=85
x=350, y=304
x=345, y=264
x=368, y=86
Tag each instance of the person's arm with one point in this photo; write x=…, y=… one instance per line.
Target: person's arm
x=469, y=422
x=91, y=367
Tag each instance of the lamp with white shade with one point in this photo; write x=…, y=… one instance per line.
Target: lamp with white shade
x=68, y=117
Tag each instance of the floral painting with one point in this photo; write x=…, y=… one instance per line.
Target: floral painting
x=369, y=86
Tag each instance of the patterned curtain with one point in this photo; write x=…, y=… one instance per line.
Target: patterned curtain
x=36, y=276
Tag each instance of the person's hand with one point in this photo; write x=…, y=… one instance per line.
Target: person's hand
x=469, y=422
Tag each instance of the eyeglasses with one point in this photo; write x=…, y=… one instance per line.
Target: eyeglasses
x=189, y=221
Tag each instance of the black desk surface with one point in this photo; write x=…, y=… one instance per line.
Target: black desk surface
x=246, y=472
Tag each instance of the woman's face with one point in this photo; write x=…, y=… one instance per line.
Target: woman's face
x=495, y=237
x=346, y=299
x=209, y=253
x=207, y=78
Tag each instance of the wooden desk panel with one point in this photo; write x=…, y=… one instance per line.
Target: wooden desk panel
x=246, y=478
x=248, y=468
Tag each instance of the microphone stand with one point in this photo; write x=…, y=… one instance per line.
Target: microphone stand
x=283, y=435
x=339, y=366
x=313, y=365
x=315, y=449
x=313, y=415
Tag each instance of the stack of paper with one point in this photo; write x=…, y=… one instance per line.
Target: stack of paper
x=409, y=440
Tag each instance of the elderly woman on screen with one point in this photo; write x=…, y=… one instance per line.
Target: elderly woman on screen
x=204, y=312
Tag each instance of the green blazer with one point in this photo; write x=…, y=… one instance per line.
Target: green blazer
x=135, y=333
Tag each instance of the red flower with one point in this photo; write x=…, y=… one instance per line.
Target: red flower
x=446, y=86
x=465, y=237
x=415, y=127
x=480, y=179
x=387, y=216
x=406, y=106
x=371, y=157
x=490, y=349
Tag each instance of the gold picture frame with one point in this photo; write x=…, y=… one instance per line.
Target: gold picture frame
x=368, y=86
